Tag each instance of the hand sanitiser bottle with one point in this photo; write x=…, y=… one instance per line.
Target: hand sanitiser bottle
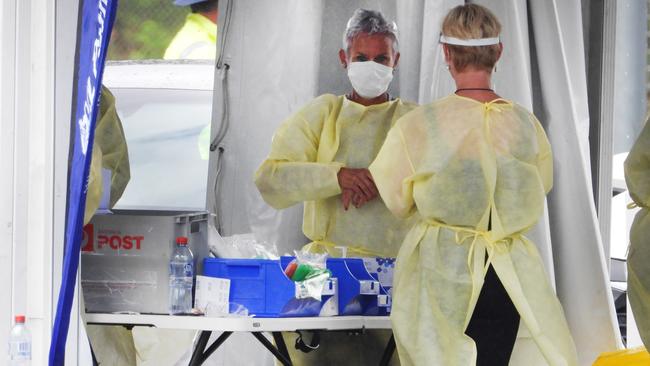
x=20, y=344
x=181, y=276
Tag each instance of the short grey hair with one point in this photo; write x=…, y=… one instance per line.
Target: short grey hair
x=371, y=22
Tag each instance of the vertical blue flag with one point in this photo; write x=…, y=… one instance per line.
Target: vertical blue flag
x=96, y=22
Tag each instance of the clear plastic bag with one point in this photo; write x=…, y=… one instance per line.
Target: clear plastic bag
x=240, y=246
x=309, y=271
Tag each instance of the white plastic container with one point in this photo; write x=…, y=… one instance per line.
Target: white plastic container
x=20, y=344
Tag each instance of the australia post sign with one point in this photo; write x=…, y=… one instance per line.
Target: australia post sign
x=111, y=241
x=93, y=33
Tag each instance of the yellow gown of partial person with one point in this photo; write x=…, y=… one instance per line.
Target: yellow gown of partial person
x=109, y=152
x=466, y=166
x=306, y=154
x=637, y=177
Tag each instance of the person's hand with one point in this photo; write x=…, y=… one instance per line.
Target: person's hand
x=348, y=196
x=356, y=183
x=358, y=201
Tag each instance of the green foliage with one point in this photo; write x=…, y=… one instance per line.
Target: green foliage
x=144, y=28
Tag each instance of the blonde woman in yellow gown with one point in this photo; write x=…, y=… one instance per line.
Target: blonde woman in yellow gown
x=476, y=169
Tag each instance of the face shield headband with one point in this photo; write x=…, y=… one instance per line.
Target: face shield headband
x=469, y=42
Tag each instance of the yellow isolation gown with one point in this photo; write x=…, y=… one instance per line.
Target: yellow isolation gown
x=464, y=166
x=637, y=177
x=307, y=152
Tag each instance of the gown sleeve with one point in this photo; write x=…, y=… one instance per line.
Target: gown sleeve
x=392, y=172
x=291, y=173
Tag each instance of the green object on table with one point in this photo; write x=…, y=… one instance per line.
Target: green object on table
x=317, y=272
x=302, y=272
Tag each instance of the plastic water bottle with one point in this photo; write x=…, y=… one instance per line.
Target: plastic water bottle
x=181, y=275
x=20, y=344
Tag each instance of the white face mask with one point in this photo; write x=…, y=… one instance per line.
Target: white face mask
x=369, y=79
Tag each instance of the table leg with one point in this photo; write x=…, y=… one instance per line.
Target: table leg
x=266, y=343
x=197, y=354
x=388, y=352
x=213, y=347
x=280, y=344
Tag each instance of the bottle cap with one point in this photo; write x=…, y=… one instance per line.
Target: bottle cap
x=181, y=240
x=20, y=319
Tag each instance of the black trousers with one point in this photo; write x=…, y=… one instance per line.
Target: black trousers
x=494, y=323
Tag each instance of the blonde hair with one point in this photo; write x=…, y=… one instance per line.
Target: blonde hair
x=472, y=21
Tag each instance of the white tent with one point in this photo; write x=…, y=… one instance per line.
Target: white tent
x=559, y=61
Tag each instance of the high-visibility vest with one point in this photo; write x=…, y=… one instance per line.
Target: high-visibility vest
x=196, y=40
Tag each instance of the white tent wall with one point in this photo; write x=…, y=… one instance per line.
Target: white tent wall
x=7, y=118
x=630, y=101
x=27, y=41
x=272, y=49
x=425, y=75
x=273, y=52
x=615, y=43
x=599, y=33
x=7, y=36
x=561, y=103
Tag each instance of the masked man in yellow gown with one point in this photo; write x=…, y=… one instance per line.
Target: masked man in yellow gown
x=320, y=156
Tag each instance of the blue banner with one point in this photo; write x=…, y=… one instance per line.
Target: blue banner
x=96, y=22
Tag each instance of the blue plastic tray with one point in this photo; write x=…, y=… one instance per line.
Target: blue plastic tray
x=261, y=286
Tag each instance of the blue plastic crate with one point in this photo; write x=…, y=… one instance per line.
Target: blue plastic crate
x=261, y=286
x=359, y=292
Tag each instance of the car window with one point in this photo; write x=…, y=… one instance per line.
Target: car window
x=167, y=133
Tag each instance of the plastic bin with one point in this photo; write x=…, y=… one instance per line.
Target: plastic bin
x=125, y=258
x=261, y=286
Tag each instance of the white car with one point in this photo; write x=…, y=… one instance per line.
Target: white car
x=165, y=108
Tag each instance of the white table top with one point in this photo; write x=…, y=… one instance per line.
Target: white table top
x=242, y=324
